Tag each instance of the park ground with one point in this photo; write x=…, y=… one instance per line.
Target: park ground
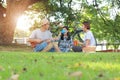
x=18, y=62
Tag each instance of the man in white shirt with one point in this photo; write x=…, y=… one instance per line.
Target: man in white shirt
x=41, y=39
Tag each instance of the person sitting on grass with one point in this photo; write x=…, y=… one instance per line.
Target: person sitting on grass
x=41, y=39
x=89, y=42
x=65, y=40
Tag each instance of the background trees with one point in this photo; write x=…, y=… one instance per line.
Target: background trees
x=103, y=15
x=12, y=11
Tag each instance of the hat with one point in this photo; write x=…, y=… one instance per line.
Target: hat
x=44, y=21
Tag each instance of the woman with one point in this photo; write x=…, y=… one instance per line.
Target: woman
x=65, y=40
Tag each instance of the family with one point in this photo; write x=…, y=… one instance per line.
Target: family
x=42, y=41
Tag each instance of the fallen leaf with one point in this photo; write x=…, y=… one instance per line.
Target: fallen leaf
x=118, y=78
x=60, y=61
x=52, y=57
x=1, y=68
x=24, y=69
x=35, y=60
x=14, y=77
x=49, y=62
x=101, y=75
x=76, y=74
x=100, y=58
x=41, y=74
x=76, y=65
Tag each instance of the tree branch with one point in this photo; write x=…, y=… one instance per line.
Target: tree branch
x=69, y=3
x=61, y=3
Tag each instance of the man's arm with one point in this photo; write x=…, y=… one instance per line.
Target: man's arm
x=35, y=40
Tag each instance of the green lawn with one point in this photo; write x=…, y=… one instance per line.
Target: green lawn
x=59, y=66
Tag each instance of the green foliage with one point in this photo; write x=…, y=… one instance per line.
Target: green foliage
x=97, y=12
x=36, y=12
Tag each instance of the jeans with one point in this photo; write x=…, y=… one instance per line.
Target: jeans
x=41, y=46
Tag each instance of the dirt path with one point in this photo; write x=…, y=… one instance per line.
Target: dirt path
x=15, y=47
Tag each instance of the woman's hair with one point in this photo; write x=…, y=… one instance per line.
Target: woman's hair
x=68, y=34
x=87, y=24
x=62, y=36
x=66, y=27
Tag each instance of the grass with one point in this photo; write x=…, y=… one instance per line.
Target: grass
x=59, y=66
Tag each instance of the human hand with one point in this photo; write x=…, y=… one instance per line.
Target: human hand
x=55, y=38
x=48, y=40
x=37, y=40
x=33, y=44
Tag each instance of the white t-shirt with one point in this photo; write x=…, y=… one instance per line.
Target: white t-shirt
x=89, y=35
x=38, y=34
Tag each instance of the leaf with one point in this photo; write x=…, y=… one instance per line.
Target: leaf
x=35, y=60
x=41, y=74
x=76, y=65
x=52, y=57
x=101, y=75
x=1, y=68
x=24, y=69
x=117, y=78
x=76, y=74
x=14, y=77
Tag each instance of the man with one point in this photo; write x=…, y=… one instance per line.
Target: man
x=89, y=40
x=41, y=39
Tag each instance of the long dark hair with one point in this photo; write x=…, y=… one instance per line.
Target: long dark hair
x=68, y=34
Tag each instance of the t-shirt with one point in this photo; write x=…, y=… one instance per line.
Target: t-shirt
x=89, y=35
x=38, y=34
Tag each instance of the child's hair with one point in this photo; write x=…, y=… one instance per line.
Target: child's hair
x=87, y=24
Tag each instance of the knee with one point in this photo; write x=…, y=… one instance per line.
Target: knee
x=40, y=46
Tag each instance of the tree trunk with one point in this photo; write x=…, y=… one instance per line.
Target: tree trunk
x=7, y=24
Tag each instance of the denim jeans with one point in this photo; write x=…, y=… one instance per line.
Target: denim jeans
x=41, y=46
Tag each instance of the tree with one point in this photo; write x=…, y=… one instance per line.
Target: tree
x=7, y=24
x=63, y=10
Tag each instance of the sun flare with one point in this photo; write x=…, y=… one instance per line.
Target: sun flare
x=23, y=23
